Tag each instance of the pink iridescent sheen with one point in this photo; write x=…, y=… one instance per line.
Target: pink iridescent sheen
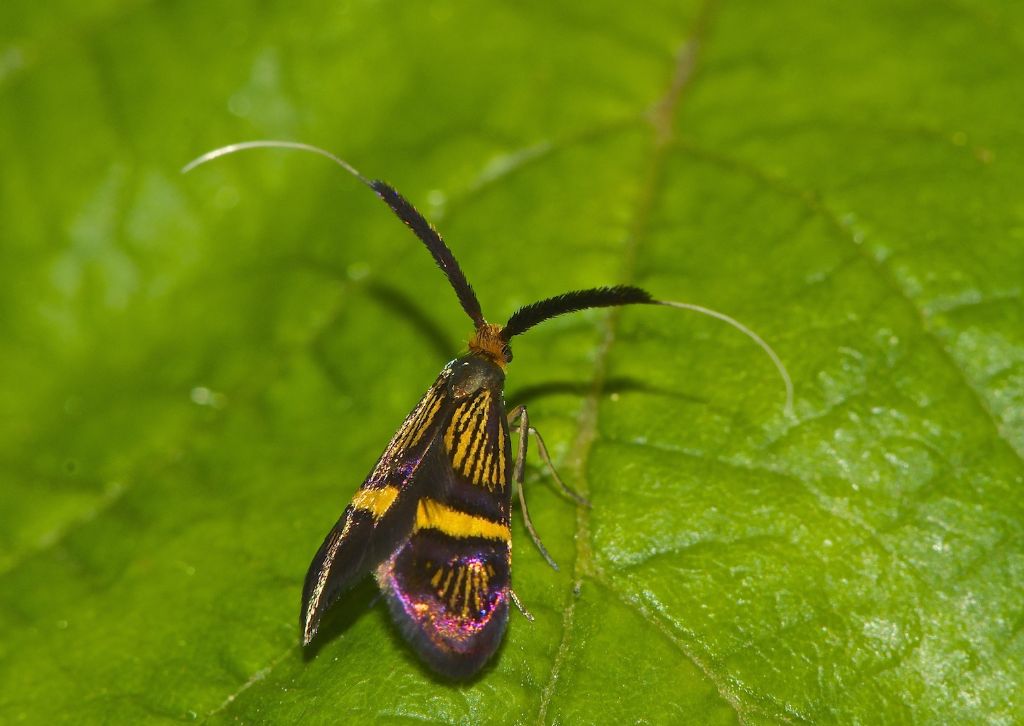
x=445, y=629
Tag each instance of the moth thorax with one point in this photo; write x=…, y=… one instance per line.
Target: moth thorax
x=474, y=372
x=488, y=343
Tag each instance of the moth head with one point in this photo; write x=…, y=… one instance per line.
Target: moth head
x=491, y=341
x=488, y=343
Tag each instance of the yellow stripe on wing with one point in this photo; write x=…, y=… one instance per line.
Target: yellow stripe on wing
x=375, y=501
x=431, y=514
x=467, y=426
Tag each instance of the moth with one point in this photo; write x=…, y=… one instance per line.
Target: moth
x=432, y=521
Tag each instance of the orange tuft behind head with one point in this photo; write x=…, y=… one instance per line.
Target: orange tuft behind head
x=488, y=343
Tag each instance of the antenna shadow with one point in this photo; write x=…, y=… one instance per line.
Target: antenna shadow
x=398, y=302
x=618, y=384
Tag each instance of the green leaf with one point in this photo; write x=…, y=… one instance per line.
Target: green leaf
x=200, y=370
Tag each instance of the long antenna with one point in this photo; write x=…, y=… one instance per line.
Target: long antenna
x=769, y=351
x=399, y=205
x=599, y=297
x=569, y=302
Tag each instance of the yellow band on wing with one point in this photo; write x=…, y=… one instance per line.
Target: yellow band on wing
x=375, y=501
x=431, y=514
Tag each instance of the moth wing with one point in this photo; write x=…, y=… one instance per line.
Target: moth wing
x=380, y=516
x=447, y=586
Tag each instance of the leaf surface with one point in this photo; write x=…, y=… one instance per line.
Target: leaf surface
x=199, y=371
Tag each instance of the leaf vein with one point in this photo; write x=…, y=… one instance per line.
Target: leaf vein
x=661, y=117
x=815, y=204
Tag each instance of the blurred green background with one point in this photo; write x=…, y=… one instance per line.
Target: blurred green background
x=198, y=371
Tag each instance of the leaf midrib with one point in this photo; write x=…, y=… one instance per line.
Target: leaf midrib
x=661, y=118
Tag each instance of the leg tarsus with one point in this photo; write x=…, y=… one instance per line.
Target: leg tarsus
x=542, y=450
x=532, y=531
x=515, y=598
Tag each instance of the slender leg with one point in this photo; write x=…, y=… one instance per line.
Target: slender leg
x=518, y=469
x=519, y=412
x=516, y=415
x=515, y=598
x=543, y=451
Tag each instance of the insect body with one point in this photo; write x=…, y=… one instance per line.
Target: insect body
x=432, y=520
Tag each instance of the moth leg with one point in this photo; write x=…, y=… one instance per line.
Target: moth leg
x=520, y=413
x=515, y=598
x=516, y=418
x=518, y=470
x=542, y=450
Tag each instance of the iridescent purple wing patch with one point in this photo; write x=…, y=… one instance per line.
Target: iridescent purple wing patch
x=450, y=598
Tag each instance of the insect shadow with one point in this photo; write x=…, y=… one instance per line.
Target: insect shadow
x=403, y=305
x=396, y=301
x=614, y=385
x=362, y=598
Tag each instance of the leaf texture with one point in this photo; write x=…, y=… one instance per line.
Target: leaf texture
x=199, y=370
